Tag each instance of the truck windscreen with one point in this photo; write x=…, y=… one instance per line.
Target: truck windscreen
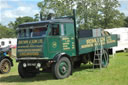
x=35, y=32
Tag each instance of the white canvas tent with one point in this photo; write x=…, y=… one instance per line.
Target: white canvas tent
x=123, y=34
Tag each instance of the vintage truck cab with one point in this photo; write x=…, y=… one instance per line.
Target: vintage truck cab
x=42, y=43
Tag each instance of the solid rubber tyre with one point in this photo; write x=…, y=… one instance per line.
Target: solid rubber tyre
x=5, y=66
x=25, y=72
x=105, y=59
x=62, y=69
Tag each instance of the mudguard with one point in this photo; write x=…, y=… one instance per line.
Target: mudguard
x=58, y=56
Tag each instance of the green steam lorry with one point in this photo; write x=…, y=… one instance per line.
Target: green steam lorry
x=57, y=46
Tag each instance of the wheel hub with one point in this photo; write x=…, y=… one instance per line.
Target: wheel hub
x=5, y=67
x=63, y=68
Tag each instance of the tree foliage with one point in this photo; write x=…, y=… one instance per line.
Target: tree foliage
x=111, y=16
x=21, y=20
x=90, y=13
x=126, y=22
x=6, y=32
x=55, y=7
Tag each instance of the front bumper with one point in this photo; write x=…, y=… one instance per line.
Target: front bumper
x=32, y=59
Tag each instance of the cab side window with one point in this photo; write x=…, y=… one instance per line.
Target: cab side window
x=55, y=30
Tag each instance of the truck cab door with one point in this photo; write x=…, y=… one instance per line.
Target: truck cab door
x=68, y=39
x=61, y=39
x=53, y=40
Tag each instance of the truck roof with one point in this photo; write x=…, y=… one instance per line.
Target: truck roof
x=42, y=23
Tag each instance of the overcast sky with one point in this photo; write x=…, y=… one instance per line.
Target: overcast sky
x=11, y=9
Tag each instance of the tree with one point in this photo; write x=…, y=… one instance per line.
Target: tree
x=7, y=32
x=37, y=17
x=21, y=20
x=90, y=13
x=43, y=9
x=126, y=22
x=56, y=8
x=111, y=16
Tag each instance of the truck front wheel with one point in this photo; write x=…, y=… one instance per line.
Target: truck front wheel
x=62, y=68
x=26, y=72
x=5, y=66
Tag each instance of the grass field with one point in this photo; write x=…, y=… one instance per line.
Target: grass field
x=115, y=74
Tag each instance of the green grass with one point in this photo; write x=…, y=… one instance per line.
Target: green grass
x=115, y=74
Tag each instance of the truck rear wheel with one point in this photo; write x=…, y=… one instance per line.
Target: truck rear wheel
x=26, y=72
x=62, y=68
x=5, y=66
x=105, y=59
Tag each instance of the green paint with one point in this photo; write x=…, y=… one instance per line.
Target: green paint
x=104, y=62
x=48, y=46
x=88, y=44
